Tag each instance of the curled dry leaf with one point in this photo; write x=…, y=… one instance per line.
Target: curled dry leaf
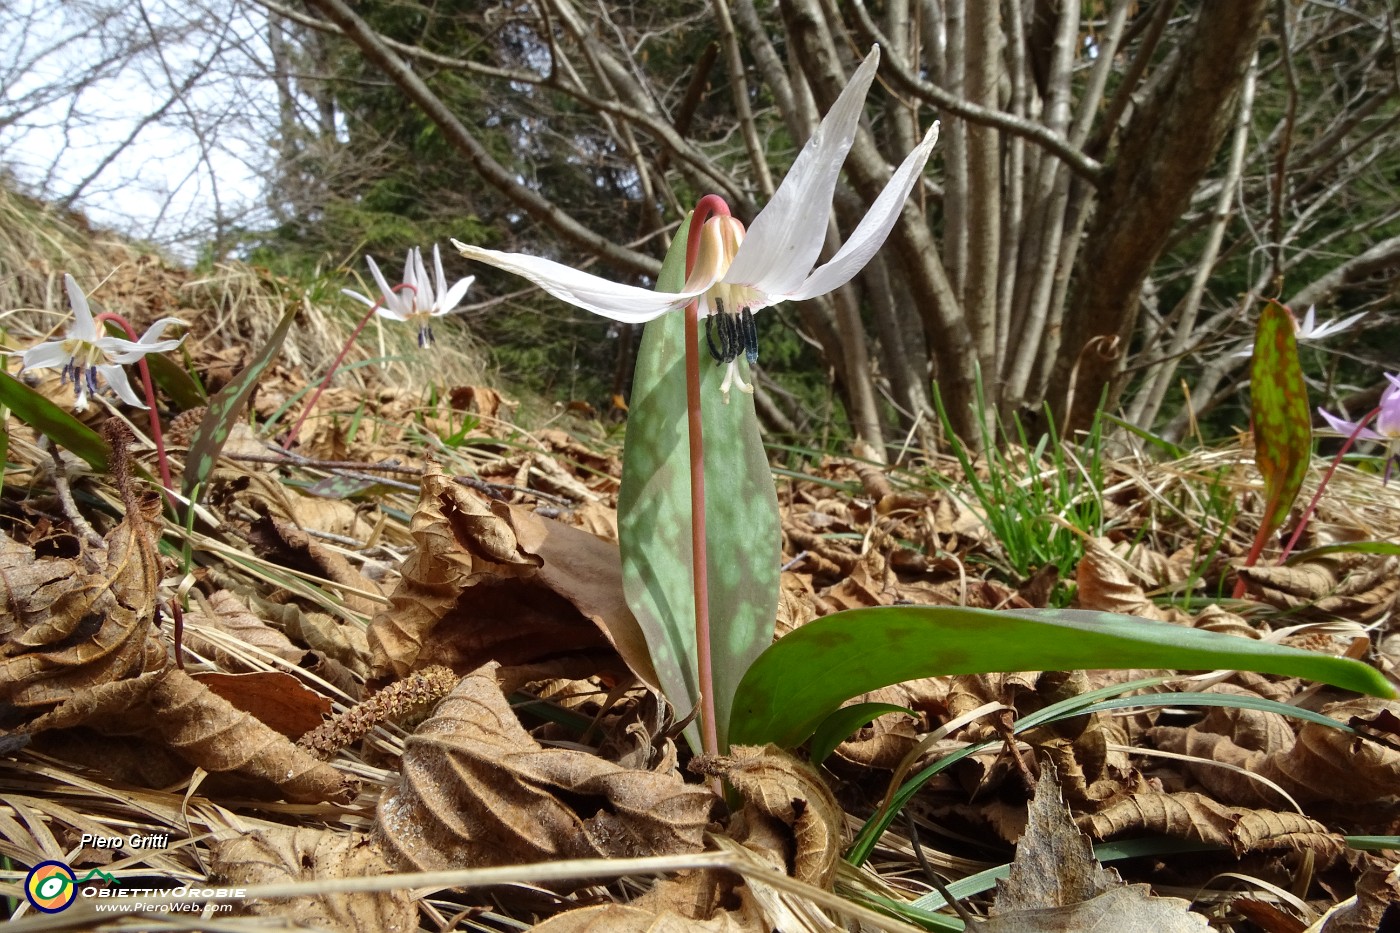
x=498, y=583
x=206, y=730
x=277, y=855
x=476, y=789
x=1109, y=583
x=1359, y=587
x=1377, y=891
x=291, y=547
x=1055, y=884
x=224, y=612
x=789, y=815
x=1320, y=765
x=70, y=624
x=1198, y=818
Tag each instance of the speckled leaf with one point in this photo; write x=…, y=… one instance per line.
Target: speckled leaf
x=337, y=486
x=810, y=672
x=654, y=517
x=53, y=422
x=1282, y=420
x=226, y=408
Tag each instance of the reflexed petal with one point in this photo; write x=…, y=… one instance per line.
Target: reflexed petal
x=120, y=350
x=423, y=294
x=873, y=228
x=1346, y=427
x=391, y=300
x=786, y=237
x=152, y=334
x=449, y=302
x=626, y=303
x=351, y=293
x=44, y=356
x=1309, y=320
x=116, y=378
x=83, y=326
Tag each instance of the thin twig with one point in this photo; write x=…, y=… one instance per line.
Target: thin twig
x=65, y=496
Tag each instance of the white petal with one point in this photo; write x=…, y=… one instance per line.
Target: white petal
x=439, y=280
x=120, y=350
x=83, y=326
x=626, y=303
x=391, y=300
x=873, y=228
x=423, y=292
x=45, y=356
x=449, y=302
x=351, y=293
x=786, y=237
x=116, y=378
x=1309, y=320
x=1346, y=427
x=152, y=334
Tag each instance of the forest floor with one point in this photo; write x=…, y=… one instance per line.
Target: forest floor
x=391, y=663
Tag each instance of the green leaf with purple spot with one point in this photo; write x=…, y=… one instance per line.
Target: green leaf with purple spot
x=1282, y=419
x=741, y=514
x=54, y=422
x=810, y=672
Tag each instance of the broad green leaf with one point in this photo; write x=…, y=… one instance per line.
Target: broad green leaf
x=226, y=408
x=1282, y=420
x=53, y=422
x=810, y=672
x=741, y=513
x=834, y=729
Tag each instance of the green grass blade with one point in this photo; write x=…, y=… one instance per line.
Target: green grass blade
x=741, y=513
x=1282, y=420
x=53, y=422
x=226, y=408
x=810, y=672
x=834, y=729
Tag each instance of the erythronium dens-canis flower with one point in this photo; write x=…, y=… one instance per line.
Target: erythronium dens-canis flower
x=420, y=302
x=739, y=272
x=84, y=355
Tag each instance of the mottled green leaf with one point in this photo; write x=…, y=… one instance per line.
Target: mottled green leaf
x=1282, y=420
x=226, y=408
x=834, y=729
x=53, y=422
x=810, y=672
x=336, y=486
x=741, y=511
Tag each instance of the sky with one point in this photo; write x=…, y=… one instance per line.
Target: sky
x=164, y=144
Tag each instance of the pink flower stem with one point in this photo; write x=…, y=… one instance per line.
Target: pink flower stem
x=1336, y=462
x=156, y=434
x=291, y=436
x=709, y=737
x=177, y=636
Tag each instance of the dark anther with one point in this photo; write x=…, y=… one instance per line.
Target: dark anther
x=425, y=337
x=750, y=336
x=730, y=338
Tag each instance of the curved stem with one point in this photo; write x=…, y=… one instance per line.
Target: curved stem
x=291, y=436
x=1336, y=462
x=709, y=736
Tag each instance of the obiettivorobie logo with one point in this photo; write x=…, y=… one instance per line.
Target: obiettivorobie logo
x=52, y=886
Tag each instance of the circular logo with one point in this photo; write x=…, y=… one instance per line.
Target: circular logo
x=50, y=886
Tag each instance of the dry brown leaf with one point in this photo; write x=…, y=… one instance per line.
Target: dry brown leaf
x=789, y=816
x=1055, y=884
x=289, y=546
x=1377, y=890
x=496, y=583
x=1322, y=764
x=277, y=855
x=1359, y=587
x=629, y=918
x=68, y=625
x=476, y=789
x=1107, y=582
x=171, y=707
x=275, y=698
x=225, y=612
x=1199, y=818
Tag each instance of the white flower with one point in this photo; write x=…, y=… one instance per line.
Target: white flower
x=418, y=302
x=1310, y=330
x=84, y=355
x=738, y=274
